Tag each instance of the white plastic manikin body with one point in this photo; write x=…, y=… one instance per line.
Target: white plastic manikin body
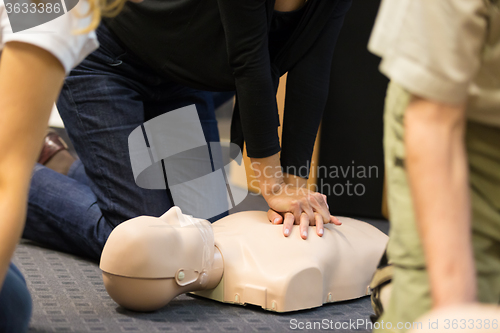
x=147, y=261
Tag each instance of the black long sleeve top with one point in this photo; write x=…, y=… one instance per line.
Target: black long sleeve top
x=245, y=45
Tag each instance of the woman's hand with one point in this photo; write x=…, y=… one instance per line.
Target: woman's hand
x=296, y=205
x=289, y=199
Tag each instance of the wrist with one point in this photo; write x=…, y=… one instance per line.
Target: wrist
x=453, y=299
x=271, y=186
x=294, y=180
x=269, y=174
x=453, y=279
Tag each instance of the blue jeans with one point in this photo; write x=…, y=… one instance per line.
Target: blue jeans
x=103, y=99
x=15, y=303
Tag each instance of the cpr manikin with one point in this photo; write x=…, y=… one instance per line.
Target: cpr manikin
x=147, y=261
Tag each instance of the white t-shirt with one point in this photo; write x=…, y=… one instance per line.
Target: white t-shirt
x=56, y=36
x=443, y=50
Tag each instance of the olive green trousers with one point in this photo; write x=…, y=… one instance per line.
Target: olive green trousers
x=411, y=296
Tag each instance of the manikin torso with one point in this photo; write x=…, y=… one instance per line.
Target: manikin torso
x=147, y=261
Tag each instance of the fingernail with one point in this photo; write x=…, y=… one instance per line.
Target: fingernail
x=276, y=220
x=304, y=233
x=287, y=232
x=321, y=231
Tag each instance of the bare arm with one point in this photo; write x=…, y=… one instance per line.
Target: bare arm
x=30, y=81
x=438, y=175
x=288, y=5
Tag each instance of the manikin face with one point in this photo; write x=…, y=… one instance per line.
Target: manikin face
x=147, y=261
x=159, y=247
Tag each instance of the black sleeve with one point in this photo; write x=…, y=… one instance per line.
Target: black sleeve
x=306, y=95
x=246, y=31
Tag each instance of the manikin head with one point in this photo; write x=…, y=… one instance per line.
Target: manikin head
x=147, y=261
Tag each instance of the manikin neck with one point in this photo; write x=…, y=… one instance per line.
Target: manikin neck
x=214, y=274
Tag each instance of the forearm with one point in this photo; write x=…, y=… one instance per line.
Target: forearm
x=437, y=170
x=307, y=90
x=13, y=207
x=246, y=32
x=30, y=80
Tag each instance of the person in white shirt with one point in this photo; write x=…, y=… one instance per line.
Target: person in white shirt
x=442, y=155
x=33, y=64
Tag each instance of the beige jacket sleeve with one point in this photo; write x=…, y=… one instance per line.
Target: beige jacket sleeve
x=431, y=47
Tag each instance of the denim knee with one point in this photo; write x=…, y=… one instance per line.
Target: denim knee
x=15, y=303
